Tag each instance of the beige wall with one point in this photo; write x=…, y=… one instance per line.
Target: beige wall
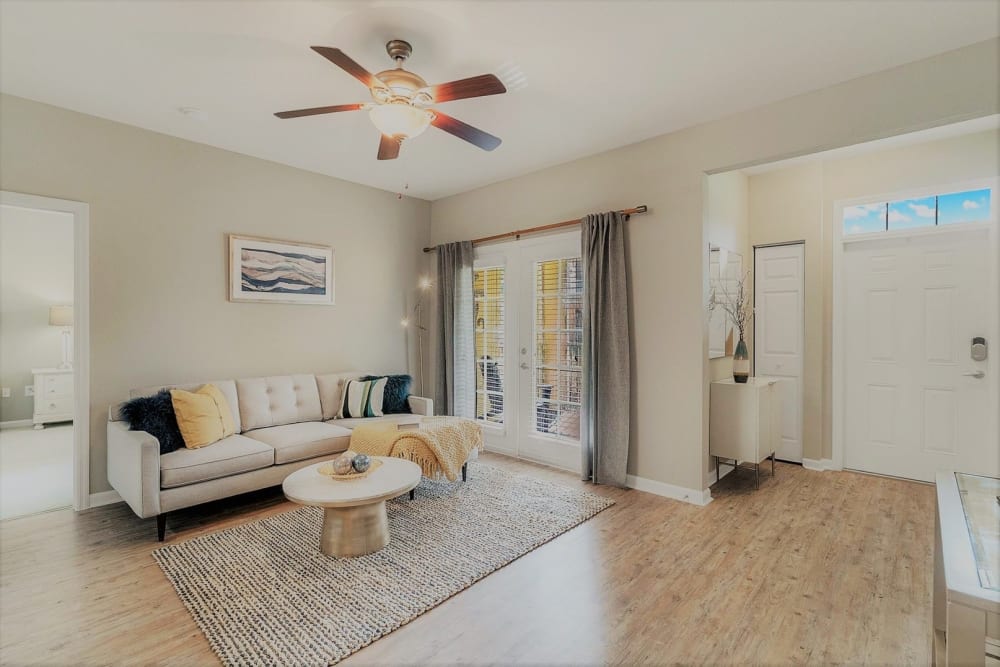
x=727, y=220
x=787, y=205
x=160, y=208
x=798, y=203
x=36, y=271
x=666, y=247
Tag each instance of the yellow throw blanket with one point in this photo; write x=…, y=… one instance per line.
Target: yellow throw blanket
x=440, y=446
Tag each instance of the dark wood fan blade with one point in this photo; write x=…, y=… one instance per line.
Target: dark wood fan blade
x=344, y=62
x=473, y=135
x=477, y=86
x=319, y=110
x=388, y=148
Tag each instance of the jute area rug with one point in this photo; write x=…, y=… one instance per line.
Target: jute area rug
x=263, y=594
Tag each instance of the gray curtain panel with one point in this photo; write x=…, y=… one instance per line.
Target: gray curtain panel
x=606, y=358
x=455, y=375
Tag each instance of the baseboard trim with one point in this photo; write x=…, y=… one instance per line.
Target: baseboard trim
x=693, y=496
x=818, y=464
x=104, y=498
x=15, y=423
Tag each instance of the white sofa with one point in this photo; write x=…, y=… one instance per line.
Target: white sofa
x=283, y=423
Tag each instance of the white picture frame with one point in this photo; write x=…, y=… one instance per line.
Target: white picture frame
x=264, y=270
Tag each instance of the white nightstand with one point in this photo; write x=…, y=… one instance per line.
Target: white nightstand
x=53, y=396
x=745, y=421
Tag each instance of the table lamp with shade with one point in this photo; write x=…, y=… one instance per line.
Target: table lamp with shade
x=62, y=316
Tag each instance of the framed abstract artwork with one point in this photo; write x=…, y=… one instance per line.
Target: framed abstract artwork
x=273, y=271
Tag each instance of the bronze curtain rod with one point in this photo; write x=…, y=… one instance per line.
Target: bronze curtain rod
x=544, y=228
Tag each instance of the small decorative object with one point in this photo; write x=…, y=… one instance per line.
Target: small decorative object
x=349, y=455
x=741, y=361
x=328, y=470
x=738, y=307
x=280, y=271
x=362, y=462
x=62, y=316
x=343, y=465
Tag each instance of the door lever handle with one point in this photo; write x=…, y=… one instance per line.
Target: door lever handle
x=979, y=375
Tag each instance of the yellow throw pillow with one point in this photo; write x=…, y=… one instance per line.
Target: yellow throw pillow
x=228, y=425
x=203, y=416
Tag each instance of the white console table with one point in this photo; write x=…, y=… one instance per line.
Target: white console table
x=745, y=421
x=967, y=570
x=53, y=396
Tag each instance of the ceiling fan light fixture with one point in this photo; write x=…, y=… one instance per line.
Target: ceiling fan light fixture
x=400, y=120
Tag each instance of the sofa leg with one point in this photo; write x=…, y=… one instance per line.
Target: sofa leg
x=413, y=493
x=161, y=526
x=465, y=471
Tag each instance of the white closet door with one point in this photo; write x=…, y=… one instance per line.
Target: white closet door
x=778, y=334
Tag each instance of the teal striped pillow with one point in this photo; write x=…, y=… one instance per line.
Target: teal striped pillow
x=362, y=398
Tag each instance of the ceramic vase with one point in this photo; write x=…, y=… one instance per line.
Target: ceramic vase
x=741, y=362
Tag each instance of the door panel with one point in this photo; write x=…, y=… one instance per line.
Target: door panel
x=778, y=334
x=912, y=307
x=550, y=374
x=529, y=347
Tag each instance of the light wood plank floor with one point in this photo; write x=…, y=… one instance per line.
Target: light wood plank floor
x=815, y=567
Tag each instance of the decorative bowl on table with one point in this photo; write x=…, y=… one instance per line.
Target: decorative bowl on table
x=328, y=470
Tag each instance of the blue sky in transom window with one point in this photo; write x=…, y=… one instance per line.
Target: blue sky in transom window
x=971, y=206
x=947, y=209
x=911, y=213
x=864, y=219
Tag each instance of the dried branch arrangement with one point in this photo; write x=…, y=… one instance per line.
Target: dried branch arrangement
x=737, y=305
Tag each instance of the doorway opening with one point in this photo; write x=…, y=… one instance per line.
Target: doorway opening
x=876, y=291
x=529, y=346
x=44, y=443
x=915, y=309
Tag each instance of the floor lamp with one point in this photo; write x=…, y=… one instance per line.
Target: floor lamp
x=62, y=316
x=415, y=321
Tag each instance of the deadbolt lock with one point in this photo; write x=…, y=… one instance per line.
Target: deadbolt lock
x=979, y=350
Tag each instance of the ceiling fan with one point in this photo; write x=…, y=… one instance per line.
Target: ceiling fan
x=401, y=100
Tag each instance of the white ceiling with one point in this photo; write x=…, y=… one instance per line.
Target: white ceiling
x=596, y=75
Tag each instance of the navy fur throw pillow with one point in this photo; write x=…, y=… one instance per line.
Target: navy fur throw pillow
x=155, y=415
x=397, y=390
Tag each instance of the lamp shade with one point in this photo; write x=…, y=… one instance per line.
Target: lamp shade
x=61, y=316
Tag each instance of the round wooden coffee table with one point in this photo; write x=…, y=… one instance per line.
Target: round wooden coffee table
x=355, y=522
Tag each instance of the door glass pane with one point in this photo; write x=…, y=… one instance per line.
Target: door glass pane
x=864, y=219
x=488, y=287
x=958, y=207
x=558, y=349
x=911, y=213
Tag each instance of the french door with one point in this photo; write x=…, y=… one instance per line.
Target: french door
x=529, y=347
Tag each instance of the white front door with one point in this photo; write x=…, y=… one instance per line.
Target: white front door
x=529, y=345
x=778, y=340
x=915, y=402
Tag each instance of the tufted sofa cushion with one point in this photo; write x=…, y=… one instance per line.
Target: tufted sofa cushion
x=229, y=456
x=331, y=391
x=296, y=442
x=227, y=387
x=278, y=400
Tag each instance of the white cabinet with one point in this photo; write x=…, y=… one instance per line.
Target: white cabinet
x=745, y=421
x=53, y=396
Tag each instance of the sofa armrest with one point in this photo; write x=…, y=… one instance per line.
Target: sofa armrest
x=134, y=468
x=421, y=406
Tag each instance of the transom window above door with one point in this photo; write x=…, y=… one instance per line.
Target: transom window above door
x=969, y=206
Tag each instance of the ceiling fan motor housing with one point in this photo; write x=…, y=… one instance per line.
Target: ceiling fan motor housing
x=398, y=49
